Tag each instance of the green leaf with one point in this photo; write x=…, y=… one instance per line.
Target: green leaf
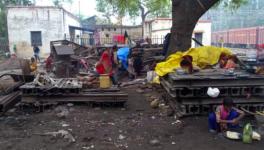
x=134, y=8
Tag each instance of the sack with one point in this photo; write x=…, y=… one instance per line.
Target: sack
x=233, y=135
x=256, y=136
x=152, y=77
x=213, y=92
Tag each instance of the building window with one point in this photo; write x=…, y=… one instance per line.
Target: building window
x=102, y=29
x=199, y=37
x=109, y=29
x=114, y=29
x=36, y=39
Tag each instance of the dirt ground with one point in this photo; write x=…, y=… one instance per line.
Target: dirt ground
x=134, y=127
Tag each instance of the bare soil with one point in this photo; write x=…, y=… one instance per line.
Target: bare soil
x=134, y=127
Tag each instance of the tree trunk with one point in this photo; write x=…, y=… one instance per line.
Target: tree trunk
x=143, y=23
x=185, y=15
x=143, y=18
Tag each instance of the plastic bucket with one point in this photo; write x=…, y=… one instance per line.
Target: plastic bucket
x=104, y=80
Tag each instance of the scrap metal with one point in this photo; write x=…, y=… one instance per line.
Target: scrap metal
x=11, y=95
x=69, y=58
x=63, y=50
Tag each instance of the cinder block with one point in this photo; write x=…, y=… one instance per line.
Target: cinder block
x=186, y=93
x=235, y=91
x=201, y=92
x=246, y=90
x=223, y=92
x=258, y=91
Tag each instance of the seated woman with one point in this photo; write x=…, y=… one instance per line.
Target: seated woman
x=33, y=65
x=225, y=117
x=49, y=62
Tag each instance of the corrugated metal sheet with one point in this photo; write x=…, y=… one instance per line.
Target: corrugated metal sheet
x=64, y=50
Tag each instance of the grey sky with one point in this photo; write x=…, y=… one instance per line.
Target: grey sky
x=87, y=8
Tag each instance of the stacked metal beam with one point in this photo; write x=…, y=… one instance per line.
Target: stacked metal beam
x=69, y=90
x=62, y=87
x=189, y=92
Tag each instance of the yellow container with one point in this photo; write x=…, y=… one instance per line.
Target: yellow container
x=104, y=81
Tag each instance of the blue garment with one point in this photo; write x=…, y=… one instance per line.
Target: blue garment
x=122, y=55
x=36, y=50
x=215, y=126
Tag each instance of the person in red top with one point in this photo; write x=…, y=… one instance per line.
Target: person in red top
x=105, y=64
x=49, y=62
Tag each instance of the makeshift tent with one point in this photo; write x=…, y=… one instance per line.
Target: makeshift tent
x=122, y=55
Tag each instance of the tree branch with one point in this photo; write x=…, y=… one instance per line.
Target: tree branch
x=142, y=3
x=143, y=13
x=208, y=3
x=142, y=9
x=147, y=13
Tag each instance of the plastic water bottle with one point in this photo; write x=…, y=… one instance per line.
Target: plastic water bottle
x=247, y=133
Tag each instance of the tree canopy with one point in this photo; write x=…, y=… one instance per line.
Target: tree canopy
x=185, y=15
x=134, y=8
x=232, y=4
x=155, y=8
x=58, y=3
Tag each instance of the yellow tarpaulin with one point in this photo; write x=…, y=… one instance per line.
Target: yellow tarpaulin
x=202, y=57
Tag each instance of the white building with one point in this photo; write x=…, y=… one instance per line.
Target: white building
x=38, y=25
x=158, y=28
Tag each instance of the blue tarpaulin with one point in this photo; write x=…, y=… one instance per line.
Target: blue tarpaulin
x=122, y=54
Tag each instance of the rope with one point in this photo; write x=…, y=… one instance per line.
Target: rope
x=252, y=113
x=249, y=112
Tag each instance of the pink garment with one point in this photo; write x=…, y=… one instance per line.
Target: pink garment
x=223, y=113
